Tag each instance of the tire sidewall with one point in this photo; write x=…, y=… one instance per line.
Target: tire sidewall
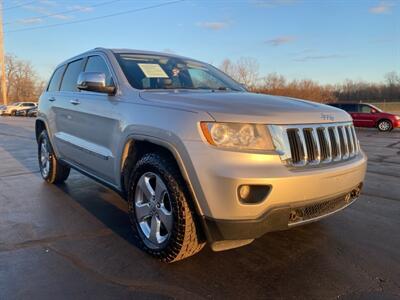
x=50, y=176
x=176, y=195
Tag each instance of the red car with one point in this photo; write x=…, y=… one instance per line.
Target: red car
x=367, y=115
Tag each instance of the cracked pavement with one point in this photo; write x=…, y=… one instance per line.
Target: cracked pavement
x=74, y=241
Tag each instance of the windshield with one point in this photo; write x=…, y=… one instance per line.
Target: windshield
x=162, y=72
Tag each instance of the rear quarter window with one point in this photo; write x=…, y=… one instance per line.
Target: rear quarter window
x=55, y=80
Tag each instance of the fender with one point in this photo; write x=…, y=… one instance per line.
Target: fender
x=183, y=160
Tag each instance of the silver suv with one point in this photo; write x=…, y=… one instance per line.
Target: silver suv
x=197, y=157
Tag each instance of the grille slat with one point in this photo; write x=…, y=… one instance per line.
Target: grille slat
x=334, y=143
x=355, y=140
x=323, y=144
x=320, y=144
x=350, y=140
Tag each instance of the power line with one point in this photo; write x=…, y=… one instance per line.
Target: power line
x=97, y=18
x=19, y=5
x=45, y=16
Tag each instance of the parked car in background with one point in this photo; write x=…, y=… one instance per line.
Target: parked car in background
x=29, y=112
x=2, y=109
x=198, y=158
x=14, y=108
x=33, y=112
x=368, y=115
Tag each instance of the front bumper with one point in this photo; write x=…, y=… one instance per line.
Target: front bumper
x=279, y=218
x=217, y=174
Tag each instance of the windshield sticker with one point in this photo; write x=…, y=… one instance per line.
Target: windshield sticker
x=153, y=71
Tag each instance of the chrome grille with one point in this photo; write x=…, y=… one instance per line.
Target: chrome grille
x=315, y=144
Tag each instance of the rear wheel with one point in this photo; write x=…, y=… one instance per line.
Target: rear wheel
x=161, y=218
x=51, y=169
x=385, y=125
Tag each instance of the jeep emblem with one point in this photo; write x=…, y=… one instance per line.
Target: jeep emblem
x=327, y=117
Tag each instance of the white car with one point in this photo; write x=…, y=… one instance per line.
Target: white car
x=18, y=106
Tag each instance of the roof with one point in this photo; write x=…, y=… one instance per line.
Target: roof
x=126, y=51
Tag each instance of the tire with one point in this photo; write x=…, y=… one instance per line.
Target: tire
x=51, y=169
x=13, y=113
x=157, y=198
x=385, y=125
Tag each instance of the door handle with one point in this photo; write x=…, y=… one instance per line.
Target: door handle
x=75, y=102
x=52, y=99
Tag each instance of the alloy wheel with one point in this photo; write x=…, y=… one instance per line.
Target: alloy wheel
x=384, y=125
x=153, y=210
x=44, y=158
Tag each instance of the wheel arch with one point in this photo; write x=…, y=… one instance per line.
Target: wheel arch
x=40, y=125
x=136, y=146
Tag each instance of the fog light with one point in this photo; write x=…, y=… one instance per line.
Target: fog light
x=253, y=194
x=244, y=191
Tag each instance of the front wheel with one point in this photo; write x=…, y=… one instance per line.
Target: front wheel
x=51, y=169
x=162, y=220
x=385, y=125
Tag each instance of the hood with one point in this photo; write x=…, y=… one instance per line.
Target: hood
x=248, y=107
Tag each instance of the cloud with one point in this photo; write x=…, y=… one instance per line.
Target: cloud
x=30, y=21
x=317, y=57
x=272, y=3
x=280, y=40
x=60, y=17
x=47, y=13
x=213, y=25
x=81, y=8
x=381, y=8
x=48, y=2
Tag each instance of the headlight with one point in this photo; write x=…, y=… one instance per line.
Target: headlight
x=237, y=136
x=397, y=117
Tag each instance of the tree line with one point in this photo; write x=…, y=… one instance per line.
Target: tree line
x=246, y=71
x=24, y=84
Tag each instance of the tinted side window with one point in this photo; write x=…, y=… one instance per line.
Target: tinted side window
x=350, y=107
x=55, y=79
x=97, y=64
x=71, y=76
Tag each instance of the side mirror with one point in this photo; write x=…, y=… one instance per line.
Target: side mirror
x=373, y=111
x=94, y=82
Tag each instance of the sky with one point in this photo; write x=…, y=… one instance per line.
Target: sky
x=324, y=40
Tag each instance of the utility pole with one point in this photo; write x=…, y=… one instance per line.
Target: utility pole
x=2, y=60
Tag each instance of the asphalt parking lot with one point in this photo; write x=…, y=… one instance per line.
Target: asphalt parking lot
x=73, y=241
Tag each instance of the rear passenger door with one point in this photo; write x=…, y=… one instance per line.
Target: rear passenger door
x=66, y=133
x=50, y=106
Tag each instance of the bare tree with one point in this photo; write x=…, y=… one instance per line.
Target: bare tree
x=245, y=70
x=23, y=83
x=392, y=78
